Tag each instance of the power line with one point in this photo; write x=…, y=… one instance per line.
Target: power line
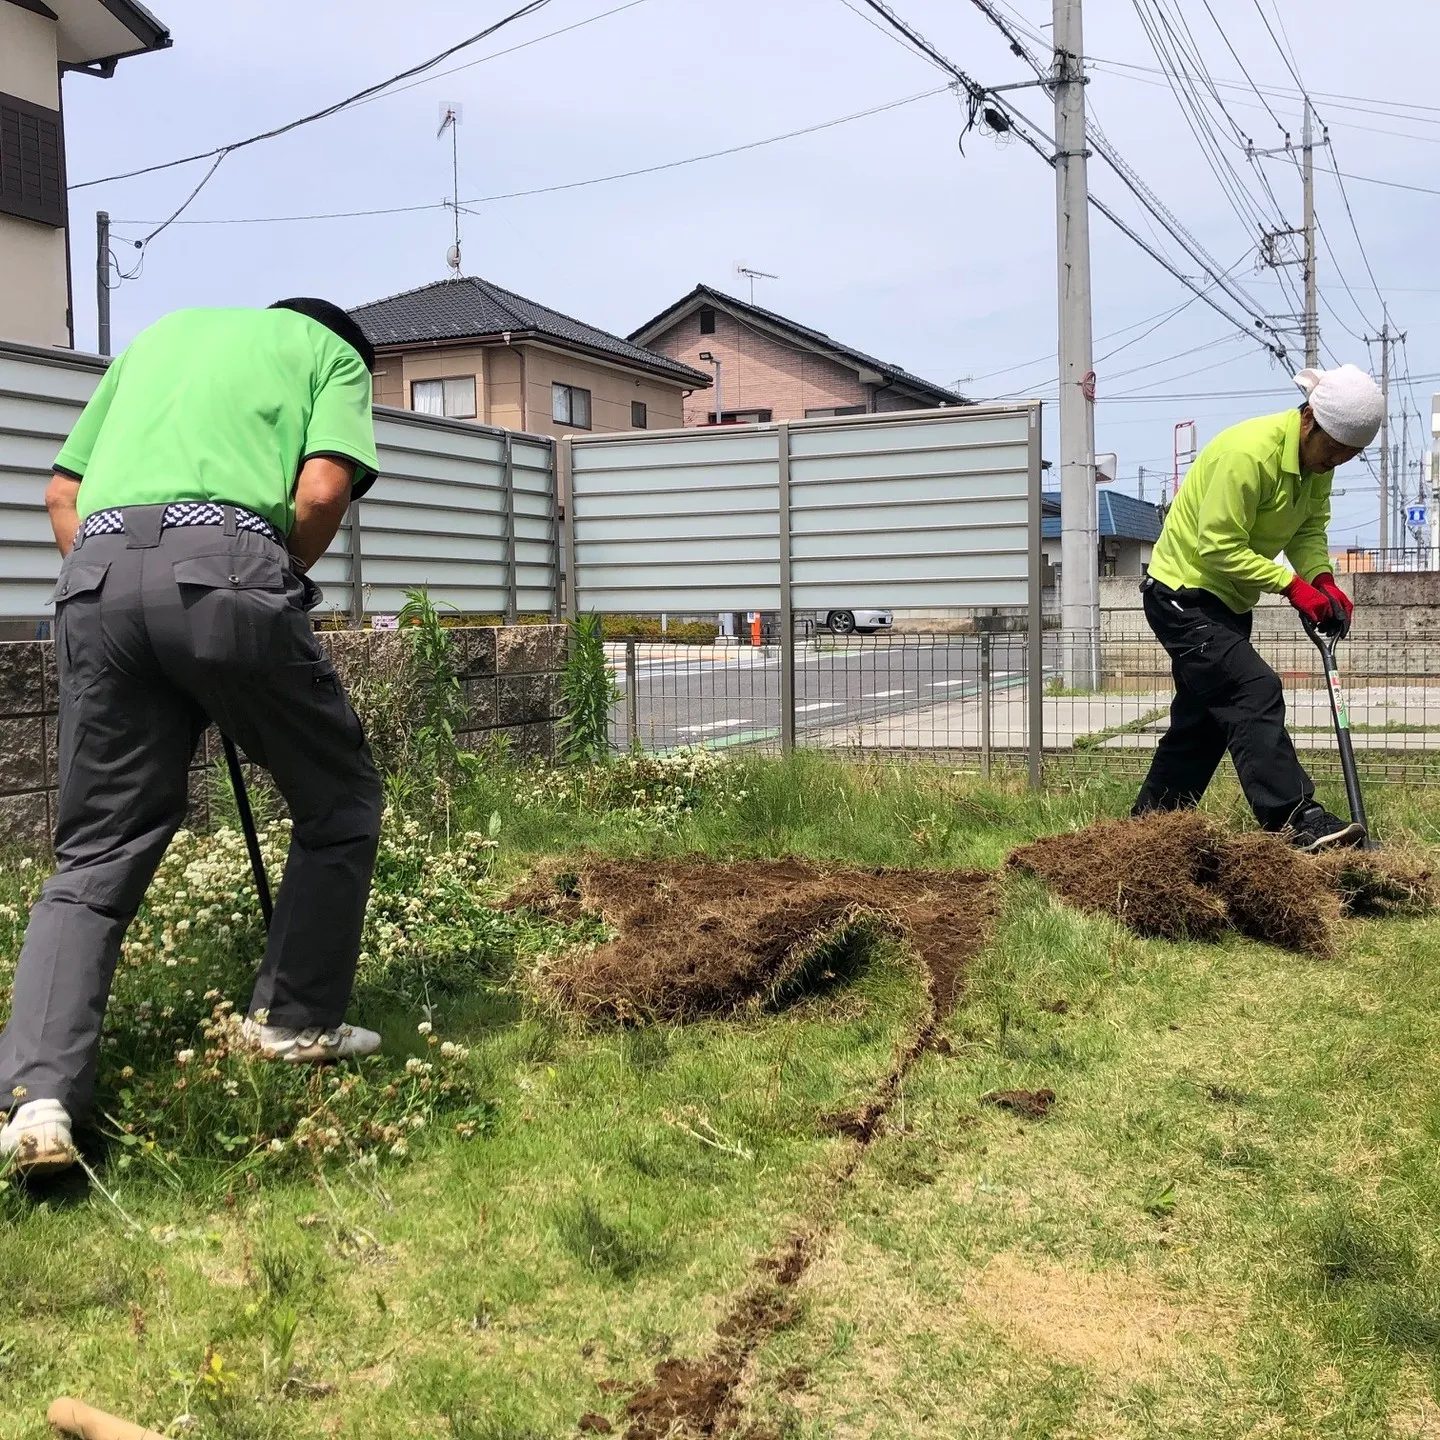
x=1133, y=182
x=221, y=151
x=568, y=184
x=1361, y=104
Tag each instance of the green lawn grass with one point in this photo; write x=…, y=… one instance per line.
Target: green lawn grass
x=1226, y=1225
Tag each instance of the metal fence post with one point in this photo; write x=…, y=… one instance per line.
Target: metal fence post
x=985, y=704
x=512, y=587
x=787, y=614
x=1036, y=666
x=357, y=579
x=632, y=698
x=565, y=545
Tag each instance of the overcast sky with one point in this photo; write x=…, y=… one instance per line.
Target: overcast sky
x=880, y=230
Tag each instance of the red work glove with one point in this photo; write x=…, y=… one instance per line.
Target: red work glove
x=1316, y=606
x=1325, y=584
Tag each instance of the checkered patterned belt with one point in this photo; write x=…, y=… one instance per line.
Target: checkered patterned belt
x=182, y=512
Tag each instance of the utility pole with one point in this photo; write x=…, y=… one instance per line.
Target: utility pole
x=1079, y=558
x=102, y=279
x=1385, y=441
x=1140, y=489
x=1403, y=499
x=1312, y=318
x=1275, y=253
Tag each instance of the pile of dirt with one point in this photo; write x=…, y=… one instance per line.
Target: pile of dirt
x=1179, y=876
x=1273, y=894
x=1029, y=1104
x=1155, y=874
x=694, y=938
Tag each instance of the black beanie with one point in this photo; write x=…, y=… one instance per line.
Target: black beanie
x=334, y=319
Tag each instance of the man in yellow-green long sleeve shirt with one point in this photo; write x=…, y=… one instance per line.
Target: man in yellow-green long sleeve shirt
x=1259, y=489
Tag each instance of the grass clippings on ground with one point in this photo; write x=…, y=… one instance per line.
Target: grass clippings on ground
x=693, y=937
x=1179, y=875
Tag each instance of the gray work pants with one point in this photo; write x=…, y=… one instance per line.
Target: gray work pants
x=156, y=634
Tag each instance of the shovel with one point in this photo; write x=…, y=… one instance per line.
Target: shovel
x=1325, y=642
x=247, y=824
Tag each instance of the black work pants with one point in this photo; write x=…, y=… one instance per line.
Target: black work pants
x=1226, y=698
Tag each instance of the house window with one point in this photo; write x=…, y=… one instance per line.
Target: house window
x=707, y=319
x=639, y=417
x=32, y=162
x=454, y=398
x=835, y=410
x=570, y=405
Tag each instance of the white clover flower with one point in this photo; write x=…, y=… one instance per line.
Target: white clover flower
x=184, y=1057
x=414, y=1066
x=277, y=1145
x=424, y=1027
x=399, y=1149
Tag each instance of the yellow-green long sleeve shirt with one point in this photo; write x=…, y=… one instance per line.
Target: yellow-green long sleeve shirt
x=1243, y=502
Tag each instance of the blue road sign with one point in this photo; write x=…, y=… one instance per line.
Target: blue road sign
x=1415, y=515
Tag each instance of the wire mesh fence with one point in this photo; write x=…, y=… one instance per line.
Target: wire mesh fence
x=964, y=698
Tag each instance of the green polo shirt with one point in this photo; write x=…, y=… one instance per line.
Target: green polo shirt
x=222, y=405
x=1243, y=502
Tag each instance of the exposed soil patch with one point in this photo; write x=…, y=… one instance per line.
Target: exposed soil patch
x=1178, y=875
x=1032, y=1104
x=695, y=938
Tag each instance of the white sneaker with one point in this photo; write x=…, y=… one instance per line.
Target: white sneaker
x=37, y=1138
x=310, y=1047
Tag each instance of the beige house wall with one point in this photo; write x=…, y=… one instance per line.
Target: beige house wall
x=33, y=289
x=762, y=373
x=513, y=386
x=29, y=64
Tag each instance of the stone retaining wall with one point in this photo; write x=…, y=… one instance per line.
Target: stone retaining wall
x=511, y=676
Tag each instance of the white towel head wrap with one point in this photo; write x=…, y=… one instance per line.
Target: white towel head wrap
x=1346, y=403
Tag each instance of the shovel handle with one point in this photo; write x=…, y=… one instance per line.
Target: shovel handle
x=71, y=1417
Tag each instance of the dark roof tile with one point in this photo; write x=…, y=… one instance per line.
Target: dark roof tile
x=468, y=307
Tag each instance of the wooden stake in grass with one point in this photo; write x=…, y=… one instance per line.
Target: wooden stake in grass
x=70, y=1417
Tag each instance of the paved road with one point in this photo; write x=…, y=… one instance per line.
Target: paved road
x=731, y=695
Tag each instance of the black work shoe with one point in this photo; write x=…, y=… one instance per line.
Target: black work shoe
x=1314, y=828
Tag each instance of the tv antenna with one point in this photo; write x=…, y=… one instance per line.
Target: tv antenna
x=450, y=117
x=742, y=268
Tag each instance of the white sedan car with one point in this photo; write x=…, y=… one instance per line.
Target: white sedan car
x=865, y=622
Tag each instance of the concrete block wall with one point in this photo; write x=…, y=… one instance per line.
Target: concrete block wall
x=1395, y=636
x=511, y=676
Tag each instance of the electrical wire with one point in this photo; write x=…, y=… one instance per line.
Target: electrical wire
x=568, y=184
x=325, y=112
x=1133, y=182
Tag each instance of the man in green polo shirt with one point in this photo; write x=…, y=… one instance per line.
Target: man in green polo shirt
x=1258, y=489
x=210, y=469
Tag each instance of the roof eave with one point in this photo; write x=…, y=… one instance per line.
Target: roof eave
x=673, y=371
x=150, y=35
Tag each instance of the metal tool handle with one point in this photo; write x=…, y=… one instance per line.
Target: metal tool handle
x=247, y=824
x=1325, y=642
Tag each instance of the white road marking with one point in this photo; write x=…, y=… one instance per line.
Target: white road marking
x=705, y=729
x=819, y=705
x=885, y=694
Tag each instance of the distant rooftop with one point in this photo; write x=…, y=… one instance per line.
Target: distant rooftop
x=1122, y=517
x=469, y=308
x=815, y=340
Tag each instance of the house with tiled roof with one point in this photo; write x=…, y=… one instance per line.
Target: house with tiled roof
x=1128, y=528
x=471, y=350
x=769, y=367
